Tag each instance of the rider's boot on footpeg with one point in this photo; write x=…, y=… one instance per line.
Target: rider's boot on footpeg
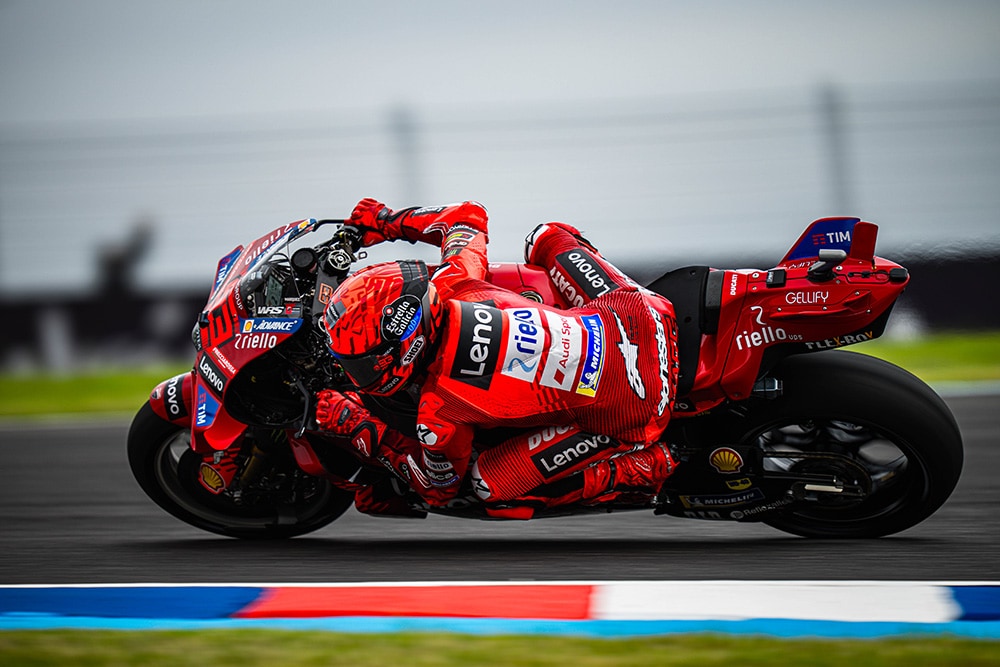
x=641, y=471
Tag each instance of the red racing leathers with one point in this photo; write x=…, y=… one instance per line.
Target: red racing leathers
x=600, y=375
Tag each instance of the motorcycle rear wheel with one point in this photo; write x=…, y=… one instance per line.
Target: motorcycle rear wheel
x=165, y=466
x=881, y=421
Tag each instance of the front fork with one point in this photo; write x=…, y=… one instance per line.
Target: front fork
x=234, y=468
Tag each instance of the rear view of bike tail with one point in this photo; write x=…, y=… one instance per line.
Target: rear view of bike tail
x=791, y=430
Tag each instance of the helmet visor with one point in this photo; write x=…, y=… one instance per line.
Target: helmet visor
x=365, y=370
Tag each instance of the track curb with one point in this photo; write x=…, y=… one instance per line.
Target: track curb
x=859, y=609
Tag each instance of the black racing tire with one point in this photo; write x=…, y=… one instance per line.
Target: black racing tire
x=166, y=467
x=844, y=397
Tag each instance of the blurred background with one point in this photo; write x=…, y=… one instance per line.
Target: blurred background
x=140, y=141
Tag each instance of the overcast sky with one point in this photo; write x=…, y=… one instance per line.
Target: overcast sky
x=110, y=59
x=115, y=109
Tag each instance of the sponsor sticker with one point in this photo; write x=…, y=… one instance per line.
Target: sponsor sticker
x=827, y=233
x=211, y=374
x=173, y=397
x=565, y=287
x=270, y=325
x=225, y=265
x=211, y=479
x=206, y=410
x=593, y=361
x=478, y=348
x=581, y=268
x=258, y=341
x=438, y=469
x=663, y=358
x=525, y=343
x=740, y=484
x=401, y=317
x=563, y=360
x=569, y=452
x=457, y=239
x=411, y=354
x=723, y=500
x=726, y=460
x=841, y=341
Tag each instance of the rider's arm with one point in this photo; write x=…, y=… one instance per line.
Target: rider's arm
x=433, y=465
x=429, y=224
x=459, y=229
x=446, y=449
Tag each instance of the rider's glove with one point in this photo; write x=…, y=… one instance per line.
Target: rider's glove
x=369, y=217
x=339, y=415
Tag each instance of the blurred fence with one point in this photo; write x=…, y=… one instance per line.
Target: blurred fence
x=125, y=329
x=724, y=180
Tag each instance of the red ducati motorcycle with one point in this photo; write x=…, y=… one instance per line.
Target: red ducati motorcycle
x=772, y=422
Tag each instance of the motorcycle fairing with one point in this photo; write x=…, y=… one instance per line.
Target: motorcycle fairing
x=790, y=309
x=172, y=399
x=239, y=262
x=230, y=336
x=529, y=280
x=822, y=234
x=225, y=265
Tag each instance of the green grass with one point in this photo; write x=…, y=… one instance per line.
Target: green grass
x=245, y=648
x=96, y=392
x=962, y=357
x=938, y=358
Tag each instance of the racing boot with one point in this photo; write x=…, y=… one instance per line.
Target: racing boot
x=640, y=472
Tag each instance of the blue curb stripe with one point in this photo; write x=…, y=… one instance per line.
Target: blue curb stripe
x=149, y=607
x=978, y=603
x=781, y=628
x=188, y=602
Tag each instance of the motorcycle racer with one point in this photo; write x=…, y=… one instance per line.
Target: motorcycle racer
x=596, y=381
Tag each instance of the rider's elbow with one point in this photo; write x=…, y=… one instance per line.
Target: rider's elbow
x=473, y=214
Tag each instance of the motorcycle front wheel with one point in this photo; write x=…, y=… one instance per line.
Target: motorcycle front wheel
x=890, y=441
x=285, y=503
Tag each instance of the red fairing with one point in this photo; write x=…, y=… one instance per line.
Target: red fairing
x=531, y=282
x=230, y=336
x=787, y=307
x=172, y=399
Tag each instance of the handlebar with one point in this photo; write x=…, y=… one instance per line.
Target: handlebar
x=343, y=245
x=346, y=235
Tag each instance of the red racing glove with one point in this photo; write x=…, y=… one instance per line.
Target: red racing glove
x=339, y=415
x=369, y=217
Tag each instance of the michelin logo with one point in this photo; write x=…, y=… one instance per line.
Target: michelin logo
x=593, y=364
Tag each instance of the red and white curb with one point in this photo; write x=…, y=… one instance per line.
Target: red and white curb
x=602, y=608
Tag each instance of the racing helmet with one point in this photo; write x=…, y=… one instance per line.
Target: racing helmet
x=380, y=322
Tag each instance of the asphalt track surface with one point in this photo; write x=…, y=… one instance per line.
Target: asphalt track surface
x=70, y=512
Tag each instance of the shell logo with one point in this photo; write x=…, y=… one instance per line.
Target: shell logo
x=725, y=459
x=211, y=479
